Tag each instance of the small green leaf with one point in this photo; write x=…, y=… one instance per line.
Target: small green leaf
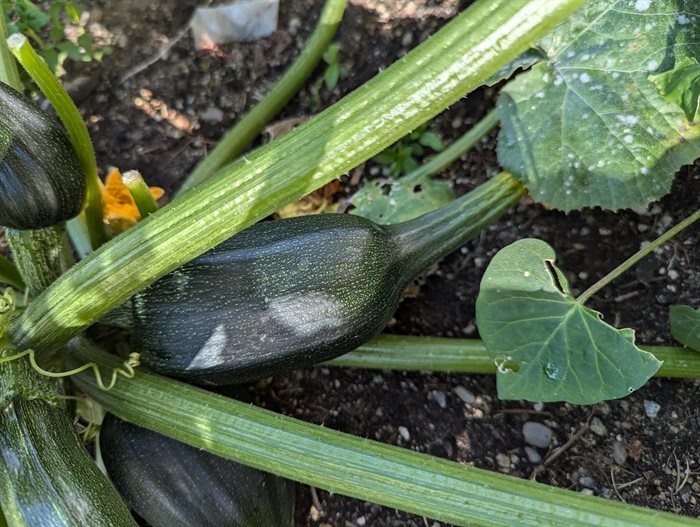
x=330, y=56
x=71, y=50
x=681, y=86
x=385, y=157
x=685, y=326
x=399, y=200
x=548, y=346
x=432, y=140
x=330, y=76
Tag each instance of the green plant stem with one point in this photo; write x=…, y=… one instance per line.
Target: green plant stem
x=247, y=129
x=77, y=131
x=349, y=465
x=8, y=67
x=402, y=352
x=139, y=191
x=443, y=159
x=9, y=274
x=454, y=61
x=632, y=260
x=39, y=255
x=426, y=239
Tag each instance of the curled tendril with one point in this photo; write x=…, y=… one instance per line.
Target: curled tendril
x=8, y=301
x=132, y=362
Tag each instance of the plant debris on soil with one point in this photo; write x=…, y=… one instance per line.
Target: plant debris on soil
x=157, y=105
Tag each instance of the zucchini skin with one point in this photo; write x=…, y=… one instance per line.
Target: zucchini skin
x=41, y=182
x=47, y=477
x=171, y=484
x=261, y=302
x=291, y=293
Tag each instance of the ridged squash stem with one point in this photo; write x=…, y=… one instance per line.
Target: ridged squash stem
x=435, y=74
x=231, y=145
x=344, y=464
x=75, y=126
x=454, y=150
x=428, y=238
x=40, y=255
x=406, y=352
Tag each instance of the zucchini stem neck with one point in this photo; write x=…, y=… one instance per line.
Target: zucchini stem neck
x=425, y=240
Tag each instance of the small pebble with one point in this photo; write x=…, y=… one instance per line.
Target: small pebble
x=533, y=455
x=598, y=428
x=651, y=408
x=587, y=492
x=538, y=407
x=403, y=432
x=361, y=521
x=587, y=482
x=465, y=395
x=537, y=434
x=673, y=274
x=407, y=39
x=439, y=397
x=212, y=115
x=619, y=452
x=503, y=460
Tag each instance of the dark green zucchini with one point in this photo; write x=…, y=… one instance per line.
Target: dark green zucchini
x=171, y=484
x=41, y=183
x=47, y=478
x=286, y=294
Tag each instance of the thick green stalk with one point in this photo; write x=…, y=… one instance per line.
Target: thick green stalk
x=349, y=465
x=231, y=145
x=428, y=238
x=449, y=155
x=9, y=273
x=400, y=352
x=39, y=255
x=435, y=74
x=8, y=67
x=77, y=131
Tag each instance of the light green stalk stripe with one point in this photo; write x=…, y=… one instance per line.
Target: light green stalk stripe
x=138, y=189
x=242, y=134
x=456, y=149
x=349, y=465
x=400, y=352
x=437, y=73
x=9, y=273
x=73, y=122
x=8, y=67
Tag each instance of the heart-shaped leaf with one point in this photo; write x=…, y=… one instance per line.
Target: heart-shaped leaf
x=685, y=326
x=548, y=346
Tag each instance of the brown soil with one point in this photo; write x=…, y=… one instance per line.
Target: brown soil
x=156, y=121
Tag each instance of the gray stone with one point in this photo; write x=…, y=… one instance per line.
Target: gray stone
x=598, y=428
x=619, y=452
x=533, y=455
x=537, y=434
x=651, y=408
x=465, y=395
